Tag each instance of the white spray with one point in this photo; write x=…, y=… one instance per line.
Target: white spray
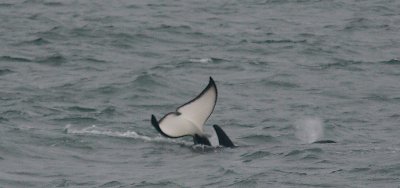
x=309, y=130
x=94, y=130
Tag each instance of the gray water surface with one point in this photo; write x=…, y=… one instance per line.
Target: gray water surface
x=80, y=79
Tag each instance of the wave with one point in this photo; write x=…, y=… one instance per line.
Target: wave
x=54, y=59
x=5, y=71
x=14, y=59
x=279, y=83
x=305, y=154
x=6, y=4
x=391, y=62
x=36, y=41
x=248, y=157
x=279, y=41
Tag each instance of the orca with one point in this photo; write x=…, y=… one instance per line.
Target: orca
x=189, y=119
x=324, y=142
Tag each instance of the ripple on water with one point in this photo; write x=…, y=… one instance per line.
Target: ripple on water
x=77, y=120
x=15, y=114
x=112, y=184
x=54, y=59
x=157, y=184
x=248, y=157
x=81, y=109
x=248, y=182
x=63, y=182
x=279, y=84
x=391, y=62
x=259, y=139
x=174, y=29
x=6, y=5
x=280, y=41
x=14, y=59
x=392, y=170
x=53, y=4
x=3, y=119
x=359, y=170
x=36, y=41
x=225, y=171
x=5, y=72
x=312, y=153
x=344, y=64
x=145, y=79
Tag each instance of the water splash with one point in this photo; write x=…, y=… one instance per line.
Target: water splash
x=94, y=130
x=201, y=60
x=309, y=130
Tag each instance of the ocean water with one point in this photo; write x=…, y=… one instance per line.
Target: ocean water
x=79, y=81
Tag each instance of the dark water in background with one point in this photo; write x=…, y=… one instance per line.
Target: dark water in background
x=80, y=79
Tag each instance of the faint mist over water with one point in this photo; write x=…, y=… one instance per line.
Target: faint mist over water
x=309, y=130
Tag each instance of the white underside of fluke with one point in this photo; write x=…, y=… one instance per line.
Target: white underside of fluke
x=190, y=118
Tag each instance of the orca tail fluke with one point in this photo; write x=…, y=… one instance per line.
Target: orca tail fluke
x=197, y=139
x=223, y=139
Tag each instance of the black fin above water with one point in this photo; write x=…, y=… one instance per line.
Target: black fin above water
x=197, y=139
x=223, y=139
x=324, y=142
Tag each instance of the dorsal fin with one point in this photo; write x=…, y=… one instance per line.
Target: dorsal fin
x=223, y=139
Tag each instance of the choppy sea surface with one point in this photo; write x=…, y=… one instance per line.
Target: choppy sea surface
x=79, y=81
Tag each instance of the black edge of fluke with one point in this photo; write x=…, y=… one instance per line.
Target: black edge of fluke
x=211, y=81
x=210, y=84
x=223, y=139
x=155, y=124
